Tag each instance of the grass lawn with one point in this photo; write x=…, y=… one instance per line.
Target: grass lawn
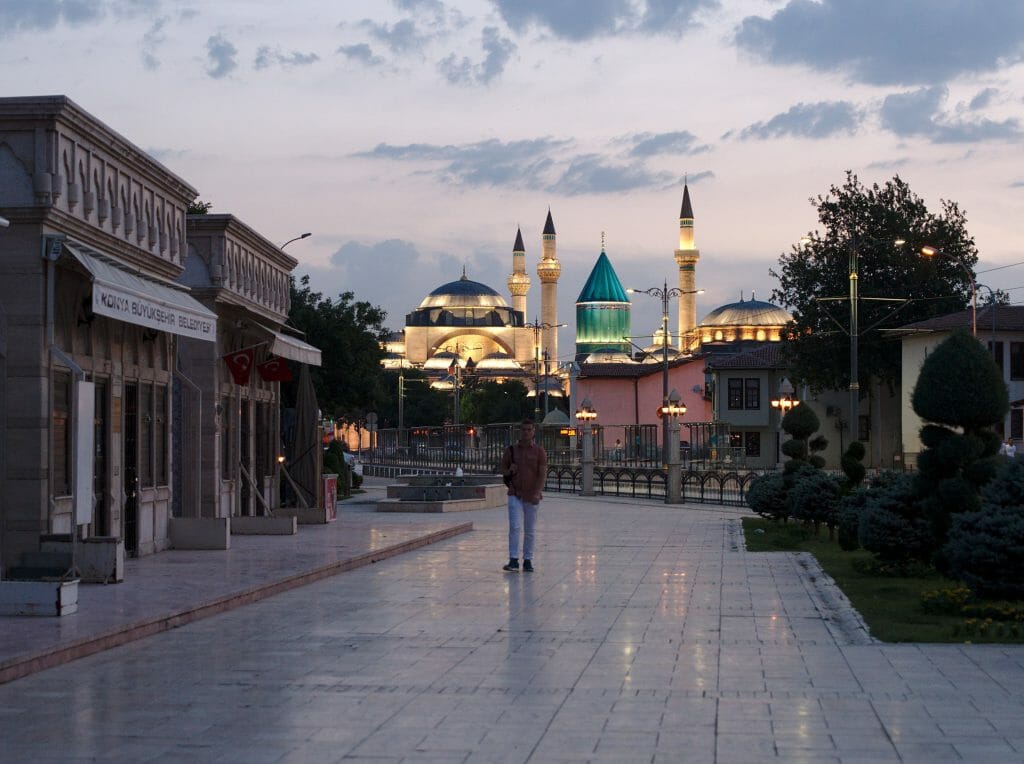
x=890, y=605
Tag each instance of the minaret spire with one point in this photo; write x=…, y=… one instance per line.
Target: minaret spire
x=549, y=269
x=518, y=281
x=686, y=258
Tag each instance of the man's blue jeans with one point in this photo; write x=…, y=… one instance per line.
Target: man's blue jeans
x=520, y=514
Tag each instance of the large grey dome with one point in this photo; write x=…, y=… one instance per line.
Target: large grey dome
x=747, y=313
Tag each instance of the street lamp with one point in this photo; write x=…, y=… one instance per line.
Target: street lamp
x=671, y=414
x=537, y=328
x=854, y=299
x=586, y=414
x=783, y=402
x=930, y=251
x=665, y=294
x=301, y=236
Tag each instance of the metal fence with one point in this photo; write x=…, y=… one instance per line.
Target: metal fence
x=629, y=466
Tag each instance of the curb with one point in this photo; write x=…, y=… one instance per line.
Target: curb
x=24, y=665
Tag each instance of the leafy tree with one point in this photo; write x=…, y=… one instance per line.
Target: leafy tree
x=490, y=402
x=869, y=221
x=423, y=406
x=350, y=382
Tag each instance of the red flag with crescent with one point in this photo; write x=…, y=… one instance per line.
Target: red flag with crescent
x=275, y=370
x=240, y=365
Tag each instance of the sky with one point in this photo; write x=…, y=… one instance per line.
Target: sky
x=412, y=137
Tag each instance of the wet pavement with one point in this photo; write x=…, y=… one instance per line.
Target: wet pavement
x=647, y=633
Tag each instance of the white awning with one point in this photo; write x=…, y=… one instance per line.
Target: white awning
x=291, y=348
x=122, y=292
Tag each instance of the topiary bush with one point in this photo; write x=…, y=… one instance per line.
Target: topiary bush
x=766, y=495
x=814, y=498
x=851, y=462
x=986, y=551
x=800, y=422
x=892, y=523
x=1006, y=489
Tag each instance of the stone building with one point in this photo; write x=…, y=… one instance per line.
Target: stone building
x=88, y=266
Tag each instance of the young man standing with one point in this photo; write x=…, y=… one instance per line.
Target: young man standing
x=527, y=465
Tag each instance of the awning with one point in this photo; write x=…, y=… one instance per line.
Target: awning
x=121, y=292
x=291, y=348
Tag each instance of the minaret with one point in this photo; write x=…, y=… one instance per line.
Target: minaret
x=549, y=269
x=686, y=258
x=519, y=282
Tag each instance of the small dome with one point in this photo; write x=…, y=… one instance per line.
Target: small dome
x=498, y=362
x=443, y=360
x=464, y=293
x=747, y=313
x=608, y=356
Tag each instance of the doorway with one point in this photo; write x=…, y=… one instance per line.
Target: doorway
x=100, y=505
x=130, y=460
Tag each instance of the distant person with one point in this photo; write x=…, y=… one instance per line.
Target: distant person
x=1009, y=448
x=526, y=464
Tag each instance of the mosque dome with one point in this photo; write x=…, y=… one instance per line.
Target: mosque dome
x=498, y=362
x=747, y=313
x=463, y=293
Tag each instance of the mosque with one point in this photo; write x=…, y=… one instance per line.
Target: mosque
x=470, y=325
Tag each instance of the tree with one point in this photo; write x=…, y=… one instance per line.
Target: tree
x=422, y=405
x=490, y=402
x=350, y=382
x=869, y=221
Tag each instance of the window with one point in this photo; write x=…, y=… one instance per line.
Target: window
x=997, y=354
x=1017, y=424
x=146, y=435
x=160, y=434
x=61, y=433
x=225, y=438
x=863, y=427
x=752, y=442
x=1017, y=360
x=735, y=394
x=753, y=393
x=735, y=440
x=744, y=394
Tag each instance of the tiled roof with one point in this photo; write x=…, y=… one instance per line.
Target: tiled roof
x=1007, y=318
x=764, y=357
x=630, y=369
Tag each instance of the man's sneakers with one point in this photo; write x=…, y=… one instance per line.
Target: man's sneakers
x=512, y=565
x=527, y=566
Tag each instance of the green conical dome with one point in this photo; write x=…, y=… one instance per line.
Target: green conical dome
x=603, y=285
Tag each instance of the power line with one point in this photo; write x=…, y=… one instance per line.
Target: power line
x=1001, y=267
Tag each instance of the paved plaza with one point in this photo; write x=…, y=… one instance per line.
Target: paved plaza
x=647, y=634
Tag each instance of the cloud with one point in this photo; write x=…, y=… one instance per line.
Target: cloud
x=808, y=120
x=983, y=99
x=1017, y=184
x=221, y=54
x=918, y=113
x=594, y=174
x=266, y=57
x=497, y=52
x=151, y=41
x=362, y=53
x=586, y=19
x=679, y=142
x=517, y=164
x=400, y=37
x=35, y=15
x=905, y=42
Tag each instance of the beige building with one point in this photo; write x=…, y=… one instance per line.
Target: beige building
x=87, y=281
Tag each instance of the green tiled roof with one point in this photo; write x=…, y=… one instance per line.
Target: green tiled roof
x=603, y=285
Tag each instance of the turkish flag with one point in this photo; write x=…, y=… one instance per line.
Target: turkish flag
x=275, y=370
x=240, y=365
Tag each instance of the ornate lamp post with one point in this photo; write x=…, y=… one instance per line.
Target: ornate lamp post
x=665, y=294
x=585, y=415
x=782, y=403
x=671, y=414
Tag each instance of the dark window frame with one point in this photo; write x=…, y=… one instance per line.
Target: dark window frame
x=734, y=389
x=1017, y=360
x=752, y=393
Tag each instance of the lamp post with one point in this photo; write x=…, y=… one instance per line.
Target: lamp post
x=665, y=294
x=854, y=299
x=930, y=251
x=586, y=414
x=537, y=327
x=671, y=414
x=783, y=402
x=300, y=236
x=992, y=308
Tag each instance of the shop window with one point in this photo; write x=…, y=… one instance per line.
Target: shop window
x=752, y=443
x=1017, y=360
x=752, y=398
x=160, y=434
x=61, y=433
x=146, y=435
